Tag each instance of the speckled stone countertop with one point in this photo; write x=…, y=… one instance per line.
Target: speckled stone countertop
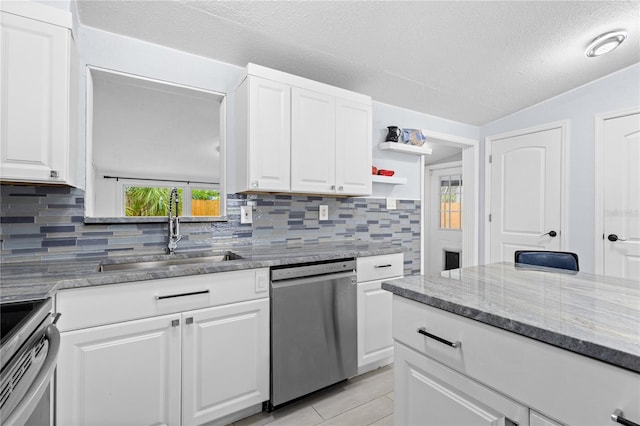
x=592, y=315
x=29, y=281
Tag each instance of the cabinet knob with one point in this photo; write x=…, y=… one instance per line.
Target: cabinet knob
x=175, y=323
x=340, y=188
x=54, y=174
x=189, y=321
x=254, y=184
x=333, y=187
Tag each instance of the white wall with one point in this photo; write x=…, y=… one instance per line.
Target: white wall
x=112, y=51
x=107, y=50
x=579, y=107
x=404, y=165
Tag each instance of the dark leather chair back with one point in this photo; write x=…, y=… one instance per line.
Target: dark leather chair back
x=550, y=259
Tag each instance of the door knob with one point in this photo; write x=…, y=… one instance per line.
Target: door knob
x=550, y=233
x=613, y=238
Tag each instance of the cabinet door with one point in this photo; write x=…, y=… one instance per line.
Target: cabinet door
x=313, y=138
x=34, y=88
x=537, y=419
x=353, y=148
x=269, y=135
x=225, y=360
x=428, y=393
x=375, y=342
x=120, y=374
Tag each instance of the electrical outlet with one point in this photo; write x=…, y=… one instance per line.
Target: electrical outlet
x=246, y=214
x=391, y=203
x=323, y=212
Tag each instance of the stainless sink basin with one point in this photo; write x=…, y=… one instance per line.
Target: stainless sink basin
x=170, y=261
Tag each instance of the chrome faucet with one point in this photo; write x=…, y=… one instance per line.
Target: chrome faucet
x=174, y=222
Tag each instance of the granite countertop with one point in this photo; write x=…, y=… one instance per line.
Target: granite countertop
x=37, y=280
x=591, y=315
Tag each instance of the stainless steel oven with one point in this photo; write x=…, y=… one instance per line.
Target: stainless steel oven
x=28, y=352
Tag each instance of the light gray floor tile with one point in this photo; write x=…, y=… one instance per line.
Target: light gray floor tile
x=365, y=414
x=363, y=400
x=387, y=421
x=355, y=393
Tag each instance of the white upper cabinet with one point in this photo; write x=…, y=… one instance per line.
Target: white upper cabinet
x=265, y=134
x=313, y=151
x=353, y=147
x=38, y=99
x=300, y=136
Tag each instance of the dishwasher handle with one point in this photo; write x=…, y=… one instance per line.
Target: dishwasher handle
x=23, y=410
x=314, y=279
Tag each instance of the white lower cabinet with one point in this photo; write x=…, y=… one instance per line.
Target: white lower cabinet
x=375, y=339
x=184, y=368
x=120, y=374
x=479, y=380
x=537, y=419
x=428, y=393
x=223, y=364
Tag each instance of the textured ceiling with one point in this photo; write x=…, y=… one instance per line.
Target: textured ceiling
x=472, y=62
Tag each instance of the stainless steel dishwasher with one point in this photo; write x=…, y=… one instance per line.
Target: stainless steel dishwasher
x=313, y=328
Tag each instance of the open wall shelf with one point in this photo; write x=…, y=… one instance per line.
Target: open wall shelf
x=404, y=148
x=392, y=180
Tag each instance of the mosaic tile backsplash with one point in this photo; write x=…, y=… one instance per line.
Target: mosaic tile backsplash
x=46, y=223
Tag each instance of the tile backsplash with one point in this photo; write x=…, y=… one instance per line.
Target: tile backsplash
x=47, y=223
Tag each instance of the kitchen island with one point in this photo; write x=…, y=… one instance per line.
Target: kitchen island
x=523, y=344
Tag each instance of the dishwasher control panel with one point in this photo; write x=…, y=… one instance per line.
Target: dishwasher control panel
x=298, y=270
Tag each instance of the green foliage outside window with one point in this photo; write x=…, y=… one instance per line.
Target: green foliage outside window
x=204, y=194
x=149, y=201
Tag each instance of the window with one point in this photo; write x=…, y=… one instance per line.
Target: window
x=146, y=199
x=451, y=202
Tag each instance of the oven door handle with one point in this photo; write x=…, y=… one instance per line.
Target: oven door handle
x=23, y=410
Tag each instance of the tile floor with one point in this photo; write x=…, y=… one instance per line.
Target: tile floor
x=362, y=401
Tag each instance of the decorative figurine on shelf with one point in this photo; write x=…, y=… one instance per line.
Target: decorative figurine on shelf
x=394, y=134
x=413, y=137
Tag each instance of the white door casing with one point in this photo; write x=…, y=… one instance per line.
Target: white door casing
x=525, y=184
x=441, y=239
x=618, y=194
x=470, y=170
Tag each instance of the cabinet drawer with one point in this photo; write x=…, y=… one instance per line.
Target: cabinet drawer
x=380, y=267
x=428, y=394
x=534, y=373
x=92, y=306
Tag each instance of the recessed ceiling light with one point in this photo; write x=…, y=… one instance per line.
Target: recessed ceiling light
x=605, y=43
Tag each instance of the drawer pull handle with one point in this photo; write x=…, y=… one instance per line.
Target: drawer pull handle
x=388, y=265
x=424, y=332
x=193, y=293
x=617, y=417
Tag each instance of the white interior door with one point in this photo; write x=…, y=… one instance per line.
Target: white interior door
x=621, y=191
x=526, y=190
x=445, y=216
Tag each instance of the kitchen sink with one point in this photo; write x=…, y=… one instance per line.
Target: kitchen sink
x=170, y=260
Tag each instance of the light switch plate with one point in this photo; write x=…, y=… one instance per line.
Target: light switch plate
x=323, y=212
x=391, y=203
x=246, y=214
